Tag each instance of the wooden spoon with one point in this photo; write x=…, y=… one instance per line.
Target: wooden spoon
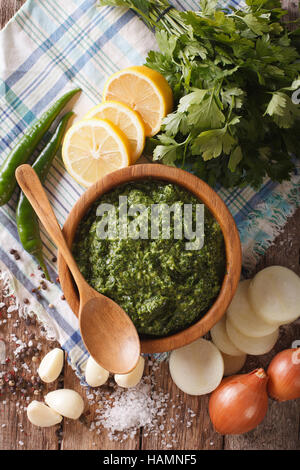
x=107, y=331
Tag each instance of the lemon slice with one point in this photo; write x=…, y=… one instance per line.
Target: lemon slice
x=145, y=91
x=126, y=119
x=92, y=148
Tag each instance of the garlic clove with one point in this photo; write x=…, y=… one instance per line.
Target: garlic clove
x=66, y=402
x=95, y=375
x=41, y=415
x=220, y=338
x=51, y=365
x=197, y=368
x=250, y=345
x=133, y=378
x=233, y=364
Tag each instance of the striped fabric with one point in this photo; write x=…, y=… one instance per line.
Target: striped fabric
x=49, y=47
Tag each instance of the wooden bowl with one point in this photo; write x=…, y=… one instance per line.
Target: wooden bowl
x=219, y=210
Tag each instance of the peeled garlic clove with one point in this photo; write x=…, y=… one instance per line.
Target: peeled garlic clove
x=243, y=317
x=222, y=341
x=51, y=365
x=66, y=402
x=274, y=294
x=197, y=368
x=250, y=345
x=95, y=375
x=233, y=364
x=133, y=378
x=41, y=415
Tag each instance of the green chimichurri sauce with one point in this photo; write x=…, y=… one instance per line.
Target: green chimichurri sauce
x=161, y=285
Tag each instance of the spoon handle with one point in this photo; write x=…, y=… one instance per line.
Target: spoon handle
x=35, y=193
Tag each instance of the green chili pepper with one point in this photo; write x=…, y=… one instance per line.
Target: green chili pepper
x=26, y=145
x=27, y=220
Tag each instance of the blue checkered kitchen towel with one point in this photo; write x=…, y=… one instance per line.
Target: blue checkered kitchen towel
x=49, y=47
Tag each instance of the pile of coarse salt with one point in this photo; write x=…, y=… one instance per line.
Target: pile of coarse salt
x=124, y=411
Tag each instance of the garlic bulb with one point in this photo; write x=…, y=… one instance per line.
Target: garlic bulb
x=41, y=415
x=66, y=402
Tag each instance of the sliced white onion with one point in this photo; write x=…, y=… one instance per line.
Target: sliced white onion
x=197, y=368
x=248, y=345
x=233, y=364
x=221, y=340
x=133, y=378
x=95, y=375
x=274, y=294
x=66, y=402
x=41, y=415
x=243, y=317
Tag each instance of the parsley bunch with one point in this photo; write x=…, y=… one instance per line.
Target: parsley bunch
x=233, y=74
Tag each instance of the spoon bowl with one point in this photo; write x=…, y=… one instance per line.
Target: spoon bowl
x=107, y=331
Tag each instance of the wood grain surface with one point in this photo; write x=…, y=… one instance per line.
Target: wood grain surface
x=279, y=430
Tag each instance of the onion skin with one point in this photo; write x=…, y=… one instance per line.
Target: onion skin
x=284, y=375
x=239, y=403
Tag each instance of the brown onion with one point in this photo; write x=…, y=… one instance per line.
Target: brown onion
x=284, y=375
x=239, y=403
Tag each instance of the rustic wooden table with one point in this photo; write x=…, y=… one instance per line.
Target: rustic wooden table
x=279, y=430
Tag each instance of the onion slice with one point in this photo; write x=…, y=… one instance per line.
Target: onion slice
x=197, y=368
x=221, y=340
x=274, y=294
x=243, y=317
x=233, y=364
x=248, y=345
